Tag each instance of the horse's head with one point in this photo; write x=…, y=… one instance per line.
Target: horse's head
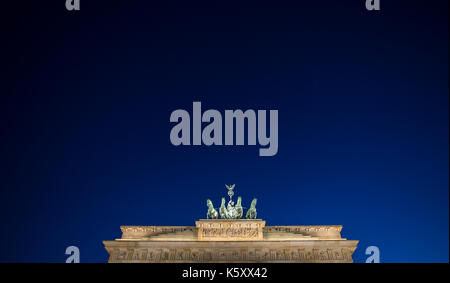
x=239, y=201
x=223, y=202
x=209, y=203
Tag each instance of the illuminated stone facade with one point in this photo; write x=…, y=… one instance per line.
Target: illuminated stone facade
x=224, y=240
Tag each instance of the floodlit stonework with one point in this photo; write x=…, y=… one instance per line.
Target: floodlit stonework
x=231, y=240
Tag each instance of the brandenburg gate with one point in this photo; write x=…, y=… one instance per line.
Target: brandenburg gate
x=231, y=239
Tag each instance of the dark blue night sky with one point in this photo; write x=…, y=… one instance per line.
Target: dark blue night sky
x=363, y=101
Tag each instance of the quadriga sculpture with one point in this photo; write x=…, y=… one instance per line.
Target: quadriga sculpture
x=231, y=211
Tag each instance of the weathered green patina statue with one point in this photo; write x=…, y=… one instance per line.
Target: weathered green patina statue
x=223, y=210
x=212, y=213
x=239, y=209
x=251, y=212
x=231, y=211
